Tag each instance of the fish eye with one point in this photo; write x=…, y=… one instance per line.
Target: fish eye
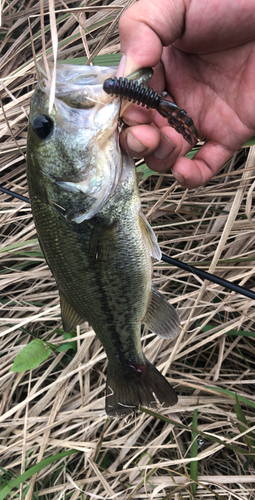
x=42, y=125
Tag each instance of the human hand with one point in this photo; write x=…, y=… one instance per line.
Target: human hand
x=203, y=54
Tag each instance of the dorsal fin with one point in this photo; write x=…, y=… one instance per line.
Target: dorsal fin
x=161, y=317
x=149, y=237
x=70, y=318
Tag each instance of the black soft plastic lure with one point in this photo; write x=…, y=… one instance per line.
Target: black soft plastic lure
x=141, y=94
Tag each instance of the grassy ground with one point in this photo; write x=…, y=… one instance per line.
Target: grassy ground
x=202, y=447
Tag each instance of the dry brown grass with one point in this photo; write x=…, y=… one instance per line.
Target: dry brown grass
x=60, y=405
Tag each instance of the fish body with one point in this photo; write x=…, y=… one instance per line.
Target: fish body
x=86, y=208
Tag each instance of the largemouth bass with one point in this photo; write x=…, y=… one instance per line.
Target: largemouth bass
x=96, y=241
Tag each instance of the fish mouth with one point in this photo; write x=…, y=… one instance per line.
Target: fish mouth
x=75, y=74
x=78, y=86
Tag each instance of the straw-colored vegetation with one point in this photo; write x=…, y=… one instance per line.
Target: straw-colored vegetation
x=59, y=406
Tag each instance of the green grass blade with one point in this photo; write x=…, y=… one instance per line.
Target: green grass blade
x=251, y=142
x=16, y=245
x=145, y=170
x=206, y=436
x=232, y=395
x=104, y=60
x=193, y=452
x=33, y=470
x=241, y=417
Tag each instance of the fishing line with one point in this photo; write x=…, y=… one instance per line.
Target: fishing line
x=177, y=263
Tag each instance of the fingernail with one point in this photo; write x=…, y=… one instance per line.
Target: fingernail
x=179, y=177
x=165, y=148
x=121, y=68
x=129, y=123
x=135, y=145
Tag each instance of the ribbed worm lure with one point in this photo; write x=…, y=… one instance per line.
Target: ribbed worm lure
x=141, y=94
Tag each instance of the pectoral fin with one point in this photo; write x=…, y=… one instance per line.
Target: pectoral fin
x=74, y=187
x=139, y=176
x=149, y=238
x=70, y=318
x=161, y=317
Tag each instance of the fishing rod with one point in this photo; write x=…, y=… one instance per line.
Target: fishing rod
x=210, y=277
x=15, y=195
x=177, y=263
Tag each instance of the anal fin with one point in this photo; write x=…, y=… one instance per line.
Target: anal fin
x=161, y=317
x=70, y=318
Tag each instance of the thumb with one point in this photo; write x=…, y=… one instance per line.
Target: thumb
x=145, y=28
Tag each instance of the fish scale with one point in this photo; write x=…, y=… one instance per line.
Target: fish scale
x=96, y=241
x=103, y=275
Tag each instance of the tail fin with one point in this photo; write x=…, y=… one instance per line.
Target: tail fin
x=139, y=385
